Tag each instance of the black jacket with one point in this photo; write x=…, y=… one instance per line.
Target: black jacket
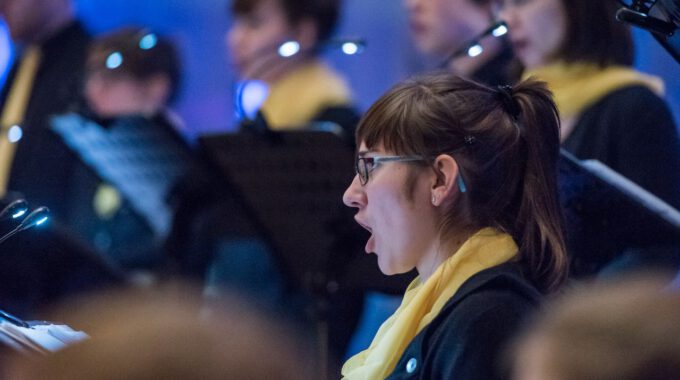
x=631, y=130
x=43, y=169
x=467, y=339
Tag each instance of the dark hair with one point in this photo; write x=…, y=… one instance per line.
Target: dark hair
x=594, y=35
x=324, y=13
x=144, y=54
x=506, y=144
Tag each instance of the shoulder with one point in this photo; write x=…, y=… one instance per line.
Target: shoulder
x=469, y=335
x=629, y=100
x=489, y=305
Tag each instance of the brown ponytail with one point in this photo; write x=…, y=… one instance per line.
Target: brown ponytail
x=539, y=219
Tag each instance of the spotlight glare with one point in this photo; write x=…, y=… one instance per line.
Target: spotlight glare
x=114, y=60
x=289, y=49
x=148, y=41
x=15, y=133
x=475, y=50
x=350, y=48
x=500, y=30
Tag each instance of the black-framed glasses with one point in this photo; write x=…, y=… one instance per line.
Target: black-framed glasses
x=365, y=165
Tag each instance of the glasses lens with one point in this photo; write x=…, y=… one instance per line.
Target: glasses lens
x=361, y=170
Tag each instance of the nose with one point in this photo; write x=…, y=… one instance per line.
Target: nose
x=354, y=195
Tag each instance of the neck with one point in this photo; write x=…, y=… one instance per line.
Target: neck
x=439, y=252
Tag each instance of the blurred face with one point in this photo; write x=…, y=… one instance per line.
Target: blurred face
x=537, y=29
x=118, y=95
x=441, y=26
x=25, y=18
x=253, y=38
x=402, y=228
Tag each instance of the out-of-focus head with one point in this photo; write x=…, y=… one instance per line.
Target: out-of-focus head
x=131, y=71
x=260, y=26
x=621, y=331
x=32, y=20
x=442, y=26
x=545, y=31
x=169, y=335
x=482, y=135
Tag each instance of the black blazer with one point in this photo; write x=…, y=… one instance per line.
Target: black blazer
x=632, y=131
x=43, y=169
x=467, y=339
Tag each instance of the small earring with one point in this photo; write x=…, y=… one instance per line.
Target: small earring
x=434, y=200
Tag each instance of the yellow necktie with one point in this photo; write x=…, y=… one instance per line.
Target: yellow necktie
x=15, y=110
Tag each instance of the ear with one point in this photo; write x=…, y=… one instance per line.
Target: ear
x=447, y=186
x=306, y=33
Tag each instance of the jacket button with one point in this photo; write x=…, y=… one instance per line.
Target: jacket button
x=411, y=365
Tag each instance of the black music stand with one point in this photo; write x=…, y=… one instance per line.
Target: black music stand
x=607, y=214
x=291, y=184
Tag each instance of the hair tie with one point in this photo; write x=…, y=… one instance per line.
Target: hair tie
x=509, y=102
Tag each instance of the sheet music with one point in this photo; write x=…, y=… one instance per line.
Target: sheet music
x=140, y=160
x=40, y=338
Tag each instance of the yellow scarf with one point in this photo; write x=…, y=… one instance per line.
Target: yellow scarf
x=577, y=86
x=300, y=95
x=15, y=109
x=423, y=301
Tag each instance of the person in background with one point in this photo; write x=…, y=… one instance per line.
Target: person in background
x=441, y=27
x=301, y=89
x=215, y=238
x=609, y=111
x=623, y=330
x=440, y=187
x=46, y=79
x=132, y=76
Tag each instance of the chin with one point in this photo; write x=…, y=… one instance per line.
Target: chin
x=390, y=270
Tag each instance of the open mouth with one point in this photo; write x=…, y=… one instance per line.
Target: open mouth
x=367, y=228
x=370, y=243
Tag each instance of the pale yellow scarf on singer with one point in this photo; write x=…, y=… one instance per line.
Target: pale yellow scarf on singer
x=577, y=86
x=423, y=301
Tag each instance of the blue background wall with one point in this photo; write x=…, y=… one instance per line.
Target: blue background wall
x=199, y=26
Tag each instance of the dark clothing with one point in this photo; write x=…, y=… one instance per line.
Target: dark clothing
x=466, y=340
x=43, y=167
x=499, y=70
x=632, y=131
x=137, y=148
x=45, y=265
